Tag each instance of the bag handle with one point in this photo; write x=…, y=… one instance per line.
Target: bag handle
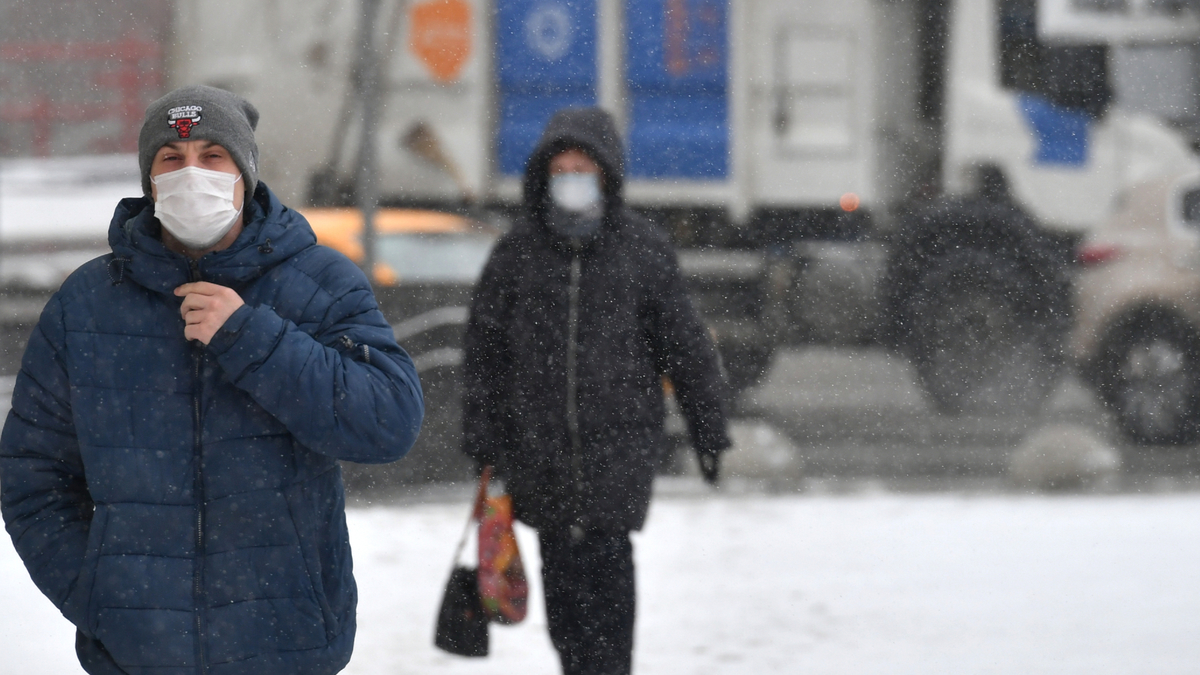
x=476, y=511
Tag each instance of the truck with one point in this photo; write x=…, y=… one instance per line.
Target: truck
x=911, y=173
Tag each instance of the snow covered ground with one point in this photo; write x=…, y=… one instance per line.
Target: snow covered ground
x=871, y=582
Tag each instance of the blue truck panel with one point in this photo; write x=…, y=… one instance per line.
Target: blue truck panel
x=545, y=60
x=676, y=67
x=1061, y=133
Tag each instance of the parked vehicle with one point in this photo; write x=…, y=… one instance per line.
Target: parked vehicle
x=912, y=173
x=1137, y=334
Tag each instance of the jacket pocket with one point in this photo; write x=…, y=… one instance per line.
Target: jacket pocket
x=319, y=516
x=78, y=605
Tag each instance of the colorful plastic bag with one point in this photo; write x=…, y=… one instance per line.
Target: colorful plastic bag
x=503, y=588
x=495, y=591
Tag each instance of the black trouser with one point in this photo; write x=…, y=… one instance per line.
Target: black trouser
x=589, y=590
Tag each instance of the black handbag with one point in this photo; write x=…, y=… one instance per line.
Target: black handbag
x=462, y=625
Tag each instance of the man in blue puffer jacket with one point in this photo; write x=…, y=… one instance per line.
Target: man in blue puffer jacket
x=168, y=471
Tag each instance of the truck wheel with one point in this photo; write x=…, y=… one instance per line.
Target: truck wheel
x=1150, y=378
x=977, y=344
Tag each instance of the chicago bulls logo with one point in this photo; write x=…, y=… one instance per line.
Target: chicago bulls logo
x=183, y=119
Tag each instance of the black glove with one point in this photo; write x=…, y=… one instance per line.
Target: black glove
x=710, y=465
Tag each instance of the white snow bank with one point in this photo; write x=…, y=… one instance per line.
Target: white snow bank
x=797, y=584
x=63, y=198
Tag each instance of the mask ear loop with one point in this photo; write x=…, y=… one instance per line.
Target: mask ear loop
x=242, y=206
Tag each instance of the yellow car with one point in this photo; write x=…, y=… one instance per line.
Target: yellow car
x=412, y=245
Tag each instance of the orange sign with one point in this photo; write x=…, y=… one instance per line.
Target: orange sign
x=440, y=36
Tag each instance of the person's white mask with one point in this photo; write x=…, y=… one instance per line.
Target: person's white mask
x=576, y=192
x=196, y=205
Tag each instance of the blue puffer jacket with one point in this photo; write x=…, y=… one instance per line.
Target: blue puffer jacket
x=182, y=505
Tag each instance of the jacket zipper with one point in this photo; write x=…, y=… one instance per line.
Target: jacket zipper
x=198, y=454
x=351, y=346
x=573, y=386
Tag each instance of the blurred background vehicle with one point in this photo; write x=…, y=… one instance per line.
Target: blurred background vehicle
x=54, y=216
x=1137, y=331
x=911, y=174
x=914, y=173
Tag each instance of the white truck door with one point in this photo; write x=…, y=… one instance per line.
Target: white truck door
x=810, y=72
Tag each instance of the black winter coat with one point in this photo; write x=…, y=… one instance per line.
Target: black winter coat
x=566, y=349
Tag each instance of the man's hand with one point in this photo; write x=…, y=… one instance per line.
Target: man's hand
x=206, y=307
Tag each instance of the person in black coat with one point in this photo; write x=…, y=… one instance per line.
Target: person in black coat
x=578, y=319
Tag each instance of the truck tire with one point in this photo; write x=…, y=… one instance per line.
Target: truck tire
x=1009, y=279
x=1149, y=375
x=976, y=345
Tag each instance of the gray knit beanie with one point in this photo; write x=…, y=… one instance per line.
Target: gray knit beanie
x=202, y=113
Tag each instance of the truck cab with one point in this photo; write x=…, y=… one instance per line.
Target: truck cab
x=1072, y=105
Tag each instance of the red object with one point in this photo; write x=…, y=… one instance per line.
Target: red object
x=129, y=70
x=441, y=37
x=503, y=587
x=184, y=127
x=1097, y=254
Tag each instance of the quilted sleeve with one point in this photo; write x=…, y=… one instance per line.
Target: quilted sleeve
x=348, y=391
x=43, y=494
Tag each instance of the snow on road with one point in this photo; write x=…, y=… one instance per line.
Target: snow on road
x=755, y=584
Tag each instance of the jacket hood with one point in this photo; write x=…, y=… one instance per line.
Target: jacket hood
x=589, y=129
x=272, y=234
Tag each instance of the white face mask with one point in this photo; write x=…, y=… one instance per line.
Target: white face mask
x=576, y=192
x=196, y=205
